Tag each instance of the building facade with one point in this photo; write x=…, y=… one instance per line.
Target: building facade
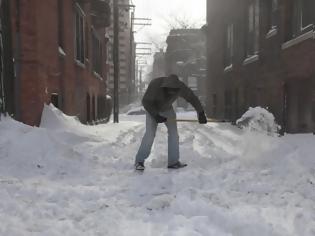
x=126, y=53
x=186, y=56
x=59, y=53
x=262, y=53
x=158, y=67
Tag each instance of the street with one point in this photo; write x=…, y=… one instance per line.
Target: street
x=65, y=178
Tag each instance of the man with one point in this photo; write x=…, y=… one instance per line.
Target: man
x=157, y=101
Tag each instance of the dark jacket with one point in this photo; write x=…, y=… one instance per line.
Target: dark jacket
x=156, y=100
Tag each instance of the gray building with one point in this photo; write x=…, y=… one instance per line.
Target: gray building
x=125, y=42
x=186, y=56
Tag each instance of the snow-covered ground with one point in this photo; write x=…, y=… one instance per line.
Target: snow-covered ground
x=65, y=178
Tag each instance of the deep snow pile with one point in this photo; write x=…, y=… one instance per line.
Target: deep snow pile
x=65, y=178
x=259, y=119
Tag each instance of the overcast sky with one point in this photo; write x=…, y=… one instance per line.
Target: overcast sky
x=164, y=13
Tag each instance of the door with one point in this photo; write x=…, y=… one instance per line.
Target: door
x=2, y=100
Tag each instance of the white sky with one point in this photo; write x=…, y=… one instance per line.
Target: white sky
x=163, y=13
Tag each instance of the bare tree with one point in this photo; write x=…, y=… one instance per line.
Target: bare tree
x=180, y=22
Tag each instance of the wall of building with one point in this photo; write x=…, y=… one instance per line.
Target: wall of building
x=125, y=75
x=185, y=56
x=279, y=77
x=49, y=71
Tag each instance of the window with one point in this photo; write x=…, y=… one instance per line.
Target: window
x=271, y=12
x=299, y=18
x=288, y=20
x=307, y=12
x=229, y=44
x=87, y=41
x=109, y=52
x=252, y=33
x=79, y=34
x=97, y=53
x=60, y=24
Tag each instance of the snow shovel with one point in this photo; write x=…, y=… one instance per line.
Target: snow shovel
x=196, y=120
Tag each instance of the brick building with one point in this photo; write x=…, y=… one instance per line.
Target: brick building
x=262, y=53
x=59, y=52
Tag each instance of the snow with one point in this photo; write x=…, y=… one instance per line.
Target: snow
x=65, y=178
x=259, y=119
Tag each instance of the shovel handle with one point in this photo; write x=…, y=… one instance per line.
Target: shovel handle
x=195, y=121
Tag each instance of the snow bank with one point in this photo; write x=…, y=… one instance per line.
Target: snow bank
x=259, y=119
x=59, y=147
x=66, y=178
x=53, y=118
x=27, y=151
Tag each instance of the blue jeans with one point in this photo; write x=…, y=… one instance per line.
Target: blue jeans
x=148, y=138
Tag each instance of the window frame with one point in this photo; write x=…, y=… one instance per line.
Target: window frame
x=301, y=15
x=296, y=31
x=97, y=55
x=274, y=9
x=229, y=46
x=61, y=35
x=80, y=59
x=271, y=8
x=252, y=32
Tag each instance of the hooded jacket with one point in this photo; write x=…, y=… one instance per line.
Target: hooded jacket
x=156, y=99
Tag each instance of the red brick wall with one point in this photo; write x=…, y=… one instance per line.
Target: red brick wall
x=43, y=69
x=260, y=83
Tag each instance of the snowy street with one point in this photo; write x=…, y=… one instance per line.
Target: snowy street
x=65, y=178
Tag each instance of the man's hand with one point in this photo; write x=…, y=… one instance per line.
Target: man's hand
x=202, y=118
x=160, y=119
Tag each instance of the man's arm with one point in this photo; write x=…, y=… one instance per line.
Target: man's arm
x=190, y=97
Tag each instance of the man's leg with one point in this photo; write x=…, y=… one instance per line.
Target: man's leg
x=147, y=140
x=173, y=138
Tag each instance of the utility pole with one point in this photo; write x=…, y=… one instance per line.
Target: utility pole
x=142, y=22
x=140, y=85
x=116, y=62
x=143, y=50
x=131, y=60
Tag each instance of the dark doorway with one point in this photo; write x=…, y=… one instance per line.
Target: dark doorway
x=55, y=100
x=7, y=90
x=2, y=101
x=93, y=108
x=88, y=108
x=285, y=105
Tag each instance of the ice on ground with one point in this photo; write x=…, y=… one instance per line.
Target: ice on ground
x=65, y=178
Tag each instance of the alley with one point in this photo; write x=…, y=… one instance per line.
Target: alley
x=67, y=178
